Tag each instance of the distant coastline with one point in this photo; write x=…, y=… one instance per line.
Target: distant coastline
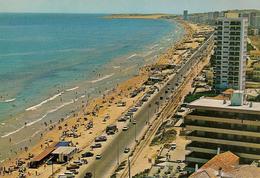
x=138, y=16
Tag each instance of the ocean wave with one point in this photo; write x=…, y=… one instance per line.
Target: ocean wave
x=132, y=56
x=43, y=102
x=154, y=46
x=8, y=100
x=37, y=120
x=102, y=78
x=116, y=67
x=72, y=89
x=83, y=96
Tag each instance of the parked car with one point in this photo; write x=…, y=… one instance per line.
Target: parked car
x=133, y=109
x=129, y=113
x=87, y=154
x=72, y=166
x=96, y=145
x=101, y=139
x=122, y=119
x=111, y=129
x=78, y=162
x=74, y=171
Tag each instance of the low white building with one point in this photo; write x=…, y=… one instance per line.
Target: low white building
x=63, y=154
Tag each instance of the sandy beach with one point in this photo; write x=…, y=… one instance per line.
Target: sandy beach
x=94, y=112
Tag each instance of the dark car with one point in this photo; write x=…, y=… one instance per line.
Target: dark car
x=97, y=145
x=129, y=113
x=133, y=109
x=101, y=139
x=87, y=154
x=88, y=175
x=111, y=129
x=122, y=119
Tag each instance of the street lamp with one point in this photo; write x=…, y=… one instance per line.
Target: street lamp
x=135, y=130
x=149, y=106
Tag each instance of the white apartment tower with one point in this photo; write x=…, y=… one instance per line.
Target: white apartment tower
x=230, y=52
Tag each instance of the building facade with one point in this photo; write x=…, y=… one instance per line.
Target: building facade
x=185, y=15
x=215, y=126
x=229, y=59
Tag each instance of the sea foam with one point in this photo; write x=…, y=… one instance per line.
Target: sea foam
x=38, y=120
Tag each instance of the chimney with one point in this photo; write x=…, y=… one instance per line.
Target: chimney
x=251, y=104
x=196, y=167
x=218, y=151
x=220, y=172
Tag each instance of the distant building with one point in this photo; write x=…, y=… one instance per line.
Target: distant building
x=247, y=16
x=226, y=165
x=230, y=53
x=212, y=17
x=255, y=20
x=185, y=15
x=215, y=126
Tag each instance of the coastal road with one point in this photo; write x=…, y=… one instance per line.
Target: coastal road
x=114, y=151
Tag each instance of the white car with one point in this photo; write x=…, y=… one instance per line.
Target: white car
x=125, y=128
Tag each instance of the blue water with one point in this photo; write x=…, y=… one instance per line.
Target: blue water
x=43, y=54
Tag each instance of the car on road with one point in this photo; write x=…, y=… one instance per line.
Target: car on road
x=134, y=122
x=98, y=157
x=126, y=150
x=87, y=154
x=125, y=128
x=101, y=139
x=72, y=166
x=96, y=145
x=88, y=175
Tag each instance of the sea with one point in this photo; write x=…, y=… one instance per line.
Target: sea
x=52, y=63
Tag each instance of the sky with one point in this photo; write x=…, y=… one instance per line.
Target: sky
x=124, y=6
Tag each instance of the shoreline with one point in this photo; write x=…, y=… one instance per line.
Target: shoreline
x=38, y=113
x=125, y=86
x=137, y=16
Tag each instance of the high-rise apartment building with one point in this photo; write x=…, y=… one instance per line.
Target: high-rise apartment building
x=215, y=126
x=185, y=15
x=230, y=53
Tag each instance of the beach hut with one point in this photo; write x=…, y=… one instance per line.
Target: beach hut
x=63, y=154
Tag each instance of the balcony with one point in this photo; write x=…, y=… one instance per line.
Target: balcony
x=224, y=142
x=226, y=129
x=211, y=148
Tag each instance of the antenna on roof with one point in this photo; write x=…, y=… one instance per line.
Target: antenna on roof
x=251, y=104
